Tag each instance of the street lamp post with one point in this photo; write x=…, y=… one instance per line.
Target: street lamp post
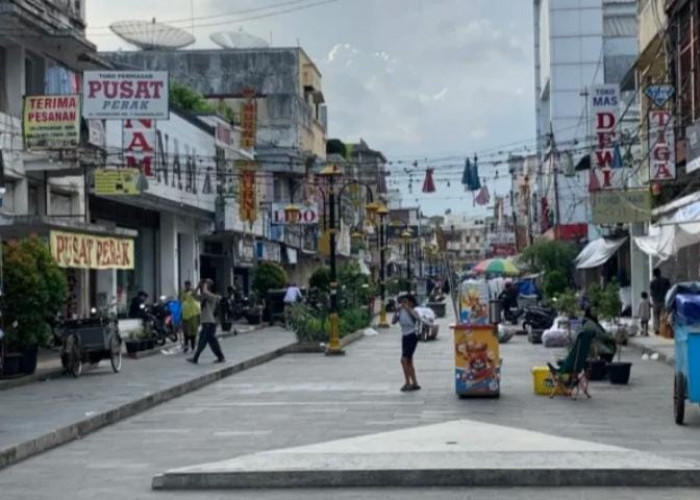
x=406, y=235
x=382, y=211
x=331, y=172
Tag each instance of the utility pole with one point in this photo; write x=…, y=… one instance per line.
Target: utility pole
x=555, y=168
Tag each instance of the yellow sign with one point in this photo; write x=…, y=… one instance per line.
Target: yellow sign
x=51, y=122
x=111, y=182
x=85, y=251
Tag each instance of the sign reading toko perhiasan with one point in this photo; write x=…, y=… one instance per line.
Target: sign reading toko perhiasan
x=51, y=122
x=120, y=95
x=86, y=251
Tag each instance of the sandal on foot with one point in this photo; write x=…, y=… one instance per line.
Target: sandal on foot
x=415, y=387
x=406, y=388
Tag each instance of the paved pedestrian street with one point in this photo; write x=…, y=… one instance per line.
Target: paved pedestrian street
x=302, y=399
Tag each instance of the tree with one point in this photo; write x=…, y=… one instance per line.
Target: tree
x=35, y=288
x=336, y=146
x=547, y=255
x=269, y=276
x=188, y=99
x=321, y=279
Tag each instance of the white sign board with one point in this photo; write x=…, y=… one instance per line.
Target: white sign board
x=605, y=104
x=662, y=159
x=120, y=95
x=308, y=214
x=139, y=145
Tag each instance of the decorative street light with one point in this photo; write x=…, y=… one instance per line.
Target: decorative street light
x=332, y=173
x=382, y=211
x=407, y=235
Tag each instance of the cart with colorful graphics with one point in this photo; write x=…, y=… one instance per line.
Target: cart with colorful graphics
x=684, y=303
x=477, y=360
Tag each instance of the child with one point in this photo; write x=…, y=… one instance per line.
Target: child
x=644, y=313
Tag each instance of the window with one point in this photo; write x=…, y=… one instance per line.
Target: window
x=33, y=75
x=8, y=200
x=61, y=205
x=3, y=80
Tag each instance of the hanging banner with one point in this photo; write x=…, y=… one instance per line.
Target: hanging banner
x=85, y=251
x=604, y=106
x=120, y=95
x=662, y=146
x=248, y=196
x=51, y=122
x=139, y=144
x=248, y=120
x=621, y=206
x=116, y=182
x=308, y=214
x=692, y=135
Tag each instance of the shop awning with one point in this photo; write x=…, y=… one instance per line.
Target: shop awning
x=597, y=252
x=674, y=230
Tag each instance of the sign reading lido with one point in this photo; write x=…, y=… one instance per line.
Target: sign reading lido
x=121, y=95
x=308, y=214
x=85, y=251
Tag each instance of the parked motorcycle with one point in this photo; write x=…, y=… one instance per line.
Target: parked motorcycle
x=511, y=314
x=539, y=317
x=158, y=321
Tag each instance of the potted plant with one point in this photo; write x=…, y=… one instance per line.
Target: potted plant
x=35, y=288
x=610, y=307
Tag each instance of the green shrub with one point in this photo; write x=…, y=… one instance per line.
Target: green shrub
x=609, y=305
x=320, y=280
x=554, y=283
x=34, y=291
x=567, y=304
x=354, y=319
x=268, y=276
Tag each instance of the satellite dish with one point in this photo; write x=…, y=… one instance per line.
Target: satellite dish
x=152, y=35
x=237, y=40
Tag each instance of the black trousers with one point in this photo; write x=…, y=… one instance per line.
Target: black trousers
x=208, y=336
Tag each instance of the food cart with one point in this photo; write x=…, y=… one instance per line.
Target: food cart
x=477, y=357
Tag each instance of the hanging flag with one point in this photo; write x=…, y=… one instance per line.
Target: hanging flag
x=483, y=197
x=617, y=157
x=467, y=175
x=429, y=184
x=593, y=183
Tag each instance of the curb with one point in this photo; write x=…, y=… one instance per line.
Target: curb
x=22, y=451
x=435, y=478
x=312, y=348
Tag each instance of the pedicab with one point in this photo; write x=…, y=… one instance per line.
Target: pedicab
x=90, y=340
x=683, y=303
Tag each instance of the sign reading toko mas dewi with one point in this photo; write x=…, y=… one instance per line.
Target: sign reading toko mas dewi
x=120, y=95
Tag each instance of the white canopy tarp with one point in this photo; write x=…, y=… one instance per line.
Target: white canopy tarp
x=597, y=252
x=671, y=233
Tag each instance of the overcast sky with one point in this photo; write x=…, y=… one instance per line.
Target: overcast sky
x=417, y=79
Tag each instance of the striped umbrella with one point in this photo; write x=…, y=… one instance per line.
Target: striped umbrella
x=497, y=266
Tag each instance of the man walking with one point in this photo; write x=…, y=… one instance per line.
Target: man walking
x=658, y=288
x=210, y=303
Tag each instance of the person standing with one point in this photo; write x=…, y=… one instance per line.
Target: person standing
x=408, y=319
x=644, y=313
x=658, y=287
x=210, y=303
x=292, y=295
x=190, y=316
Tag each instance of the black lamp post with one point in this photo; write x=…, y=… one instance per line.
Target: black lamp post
x=382, y=211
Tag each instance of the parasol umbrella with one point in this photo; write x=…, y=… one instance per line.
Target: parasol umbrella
x=496, y=266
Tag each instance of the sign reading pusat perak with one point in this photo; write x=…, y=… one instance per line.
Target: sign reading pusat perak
x=120, y=95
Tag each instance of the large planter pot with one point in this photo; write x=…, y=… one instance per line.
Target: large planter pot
x=438, y=308
x=148, y=344
x=29, y=360
x=619, y=373
x=608, y=358
x=597, y=369
x=12, y=365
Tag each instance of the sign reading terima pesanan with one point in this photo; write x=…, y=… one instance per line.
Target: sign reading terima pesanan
x=51, y=122
x=121, y=95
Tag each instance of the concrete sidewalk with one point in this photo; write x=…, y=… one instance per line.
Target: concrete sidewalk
x=655, y=344
x=41, y=415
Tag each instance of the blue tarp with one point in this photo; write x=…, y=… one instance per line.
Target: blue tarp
x=687, y=310
x=175, y=309
x=527, y=288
